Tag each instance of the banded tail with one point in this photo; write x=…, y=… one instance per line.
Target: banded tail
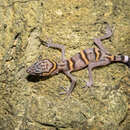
x=120, y=58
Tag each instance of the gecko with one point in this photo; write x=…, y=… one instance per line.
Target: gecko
x=88, y=58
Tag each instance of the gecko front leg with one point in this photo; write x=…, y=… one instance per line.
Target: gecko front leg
x=73, y=83
x=92, y=66
x=53, y=45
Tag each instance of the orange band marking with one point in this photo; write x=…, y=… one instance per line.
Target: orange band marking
x=84, y=57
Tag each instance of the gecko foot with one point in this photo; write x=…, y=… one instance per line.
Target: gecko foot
x=88, y=85
x=66, y=92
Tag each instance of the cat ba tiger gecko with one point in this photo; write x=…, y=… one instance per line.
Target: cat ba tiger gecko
x=90, y=58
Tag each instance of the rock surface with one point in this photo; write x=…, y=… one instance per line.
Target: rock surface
x=30, y=103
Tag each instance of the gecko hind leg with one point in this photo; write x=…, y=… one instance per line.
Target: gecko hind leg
x=98, y=42
x=108, y=33
x=92, y=66
x=73, y=83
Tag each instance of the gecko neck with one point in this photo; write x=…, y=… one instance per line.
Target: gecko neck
x=61, y=66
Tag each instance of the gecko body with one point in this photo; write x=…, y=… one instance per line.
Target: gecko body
x=87, y=58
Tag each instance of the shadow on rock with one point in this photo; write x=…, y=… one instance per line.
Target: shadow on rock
x=33, y=78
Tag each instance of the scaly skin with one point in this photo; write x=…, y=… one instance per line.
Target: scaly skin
x=90, y=58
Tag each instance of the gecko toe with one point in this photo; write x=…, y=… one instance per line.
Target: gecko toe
x=87, y=86
x=65, y=90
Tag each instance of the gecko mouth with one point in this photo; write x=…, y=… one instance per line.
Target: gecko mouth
x=29, y=71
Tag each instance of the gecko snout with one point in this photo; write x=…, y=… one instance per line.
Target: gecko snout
x=30, y=70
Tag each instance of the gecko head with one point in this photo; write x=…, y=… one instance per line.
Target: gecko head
x=42, y=68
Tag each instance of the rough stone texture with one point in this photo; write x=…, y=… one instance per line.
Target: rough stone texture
x=30, y=103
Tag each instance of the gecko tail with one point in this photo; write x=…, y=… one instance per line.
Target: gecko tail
x=122, y=58
x=128, y=63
